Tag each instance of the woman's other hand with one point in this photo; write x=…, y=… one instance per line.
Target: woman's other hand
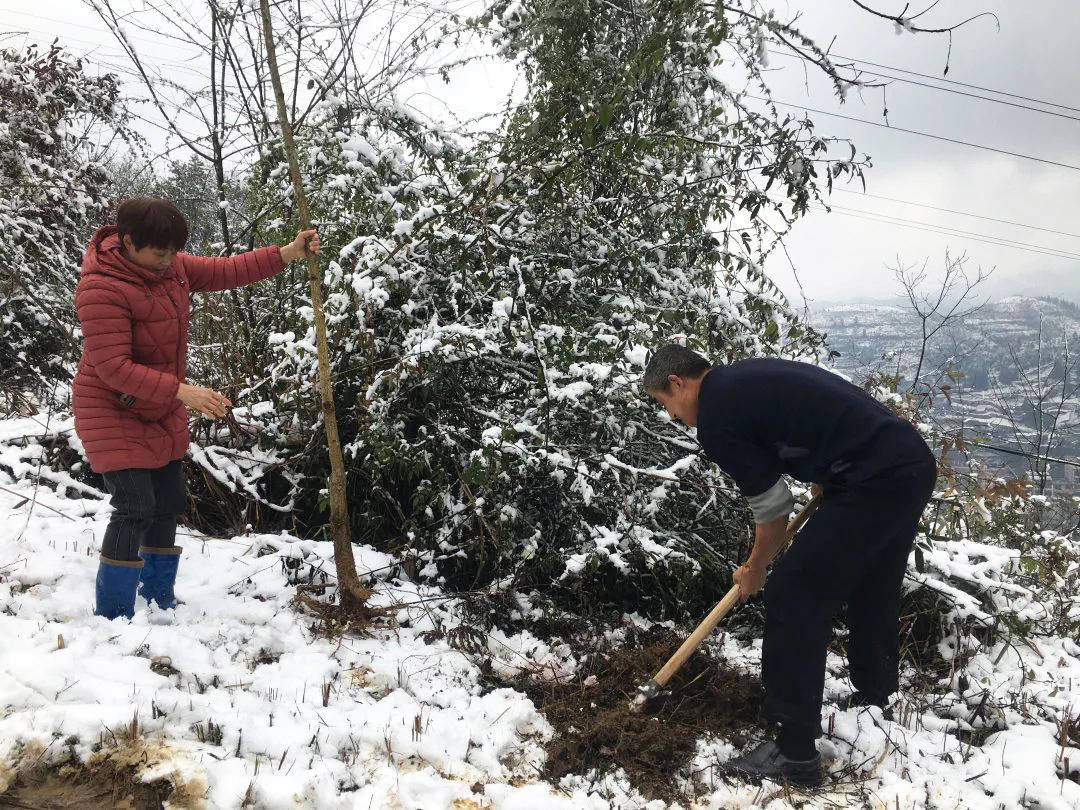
x=206, y=401
x=306, y=243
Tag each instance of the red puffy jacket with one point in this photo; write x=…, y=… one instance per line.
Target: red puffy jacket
x=135, y=334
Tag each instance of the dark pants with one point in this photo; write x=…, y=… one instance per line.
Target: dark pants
x=146, y=505
x=852, y=551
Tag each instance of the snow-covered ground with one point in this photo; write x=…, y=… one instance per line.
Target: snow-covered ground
x=248, y=705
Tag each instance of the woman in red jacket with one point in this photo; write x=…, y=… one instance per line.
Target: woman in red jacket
x=129, y=394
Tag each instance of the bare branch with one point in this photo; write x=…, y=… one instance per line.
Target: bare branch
x=906, y=24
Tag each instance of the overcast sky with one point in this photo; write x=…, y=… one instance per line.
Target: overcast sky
x=1034, y=54
x=840, y=256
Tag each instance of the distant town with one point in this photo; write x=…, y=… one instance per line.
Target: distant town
x=1007, y=375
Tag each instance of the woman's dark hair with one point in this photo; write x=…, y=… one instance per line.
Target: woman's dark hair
x=152, y=221
x=672, y=359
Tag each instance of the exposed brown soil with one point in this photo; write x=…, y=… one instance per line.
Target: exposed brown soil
x=70, y=792
x=108, y=781
x=79, y=789
x=597, y=729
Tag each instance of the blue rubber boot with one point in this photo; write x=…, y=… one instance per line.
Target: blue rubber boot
x=159, y=575
x=115, y=588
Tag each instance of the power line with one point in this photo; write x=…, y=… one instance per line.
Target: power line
x=1049, y=459
x=943, y=89
x=112, y=53
x=959, y=84
x=882, y=219
x=1001, y=101
x=129, y=69
x=961, y=213
x=945, y=230
x=918, y=132
x=960, y=231
x=144, y=41
x=61, y=35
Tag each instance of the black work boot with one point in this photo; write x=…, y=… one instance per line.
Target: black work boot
x=766, y=762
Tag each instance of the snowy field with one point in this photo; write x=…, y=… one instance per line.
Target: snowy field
x=240, y=704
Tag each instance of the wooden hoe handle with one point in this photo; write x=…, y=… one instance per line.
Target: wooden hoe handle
x=724, y=605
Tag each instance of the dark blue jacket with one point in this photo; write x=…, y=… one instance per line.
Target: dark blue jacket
x=760, y=418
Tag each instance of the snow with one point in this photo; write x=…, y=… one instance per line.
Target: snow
x=502, y=308
x=405, y=721
x=15, y=429
x=359, y=145
x=637, y=355
x=398, y=718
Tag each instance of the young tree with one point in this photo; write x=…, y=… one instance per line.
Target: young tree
x=351, y=594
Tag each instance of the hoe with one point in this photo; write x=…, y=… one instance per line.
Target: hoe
x=656, y=685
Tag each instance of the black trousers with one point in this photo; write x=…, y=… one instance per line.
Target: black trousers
x=852, y=551
x=146, y=506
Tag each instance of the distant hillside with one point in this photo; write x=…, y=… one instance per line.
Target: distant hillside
x=999, y=352
x=985, y=344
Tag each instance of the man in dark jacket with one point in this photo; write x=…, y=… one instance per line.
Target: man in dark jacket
x=760, y=420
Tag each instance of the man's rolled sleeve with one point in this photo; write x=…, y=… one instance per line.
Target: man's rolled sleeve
x=774, y=503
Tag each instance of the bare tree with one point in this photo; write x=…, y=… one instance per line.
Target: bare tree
x=221, y=117
x=939, y=306
x=1043, y=401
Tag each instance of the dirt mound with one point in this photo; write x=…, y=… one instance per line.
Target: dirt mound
x=596, y=729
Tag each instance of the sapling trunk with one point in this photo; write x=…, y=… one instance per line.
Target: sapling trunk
x=351, y=592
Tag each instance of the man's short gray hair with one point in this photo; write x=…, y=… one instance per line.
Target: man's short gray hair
x=672, y=358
